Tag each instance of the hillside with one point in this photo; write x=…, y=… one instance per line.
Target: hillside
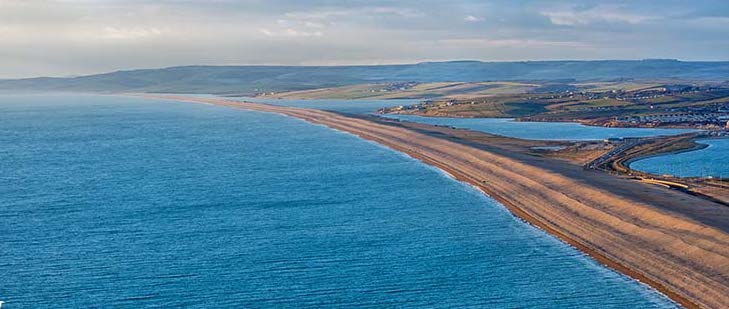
x=256, y=79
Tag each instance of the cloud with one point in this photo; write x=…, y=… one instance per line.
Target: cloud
x=292, y=26
x=515, y=43
x=312, y=24
x=116, y=33
x=90, y=36
x=290, y=32
x=598, y=14
x=473, y=19
x=360, y=12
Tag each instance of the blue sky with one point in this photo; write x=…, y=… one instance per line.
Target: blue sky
x=68, y=37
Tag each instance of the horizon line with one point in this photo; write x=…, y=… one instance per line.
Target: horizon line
x=351, y=65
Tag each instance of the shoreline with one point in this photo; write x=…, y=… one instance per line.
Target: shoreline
x=583, y=122
x=531, y=220
x=696, y=147
x=564, y=206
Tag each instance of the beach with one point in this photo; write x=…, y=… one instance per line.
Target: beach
x=676, y=243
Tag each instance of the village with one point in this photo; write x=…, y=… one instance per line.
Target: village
x=675, y=105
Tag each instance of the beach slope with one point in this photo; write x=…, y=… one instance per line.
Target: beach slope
x=683, y=257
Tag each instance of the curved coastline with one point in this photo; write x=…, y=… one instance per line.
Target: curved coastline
x=540, y=130
x=627, y=235
x=532, y=220
x=697, y=146
x=586, y=123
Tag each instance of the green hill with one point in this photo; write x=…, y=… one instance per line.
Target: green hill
x=253, y=79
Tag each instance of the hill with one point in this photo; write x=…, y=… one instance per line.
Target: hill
x=256, y=79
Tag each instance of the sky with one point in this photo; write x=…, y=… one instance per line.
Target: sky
x=76, y=37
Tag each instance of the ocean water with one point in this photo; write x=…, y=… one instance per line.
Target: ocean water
x=710, y=161
x=344, y=106
x=539, y=130
x=127, y=202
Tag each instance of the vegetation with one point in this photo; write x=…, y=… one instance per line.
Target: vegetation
x=249, y=80
x=409, y=90
x=702, y=103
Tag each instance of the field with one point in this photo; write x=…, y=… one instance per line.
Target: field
x=409, y=90
x=605, y=104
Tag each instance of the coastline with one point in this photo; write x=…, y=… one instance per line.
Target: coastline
x=628, y=237
x=584, y=122
x=697, y=146
x=594, y=254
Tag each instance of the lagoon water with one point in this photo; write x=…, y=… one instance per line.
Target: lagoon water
x=710, y=161
x=345, y=106
x=500, y=126
x=539, y=130
x=128, y=202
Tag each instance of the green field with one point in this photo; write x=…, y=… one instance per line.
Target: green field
x=598, y=103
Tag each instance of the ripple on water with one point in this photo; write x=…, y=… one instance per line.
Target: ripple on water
x=709, y=161
x=110, y=201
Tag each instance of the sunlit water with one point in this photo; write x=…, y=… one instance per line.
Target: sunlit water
x=500, y=126
x=345, y=106
x=126, y=202
x=710, y=161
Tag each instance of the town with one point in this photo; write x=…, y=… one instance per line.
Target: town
x=702, y=106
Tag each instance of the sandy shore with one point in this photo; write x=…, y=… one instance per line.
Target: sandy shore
x=676, y=243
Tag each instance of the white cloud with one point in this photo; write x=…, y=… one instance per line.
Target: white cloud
x=289, y=32
x=569, y=17
x=294, y=27
x=312, y=24
x=512, y=43
x=118, y=33
x=402, y=12
x=266, y=32
x=89, y=36
x=377, y=11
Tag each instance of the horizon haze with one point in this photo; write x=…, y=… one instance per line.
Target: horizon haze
x=81, y=37
x=364, y=153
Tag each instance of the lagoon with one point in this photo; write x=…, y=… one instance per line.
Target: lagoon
x=709, y=161
x=539, y=130
x=500, y=126
x=361, y=106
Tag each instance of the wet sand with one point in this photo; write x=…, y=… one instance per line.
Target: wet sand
x=676, y=243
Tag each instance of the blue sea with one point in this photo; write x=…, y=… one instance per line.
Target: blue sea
x=709, y=161
x=540, y=130
x=126, y=202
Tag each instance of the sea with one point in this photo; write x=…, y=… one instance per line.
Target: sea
x=707, y=162
x=111, y=201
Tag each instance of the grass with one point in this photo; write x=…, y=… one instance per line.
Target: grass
x=461, y=90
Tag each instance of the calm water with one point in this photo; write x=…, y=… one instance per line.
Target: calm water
x=539, y=130
x=710, y=161
x=345, y=106
x=109, y=201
